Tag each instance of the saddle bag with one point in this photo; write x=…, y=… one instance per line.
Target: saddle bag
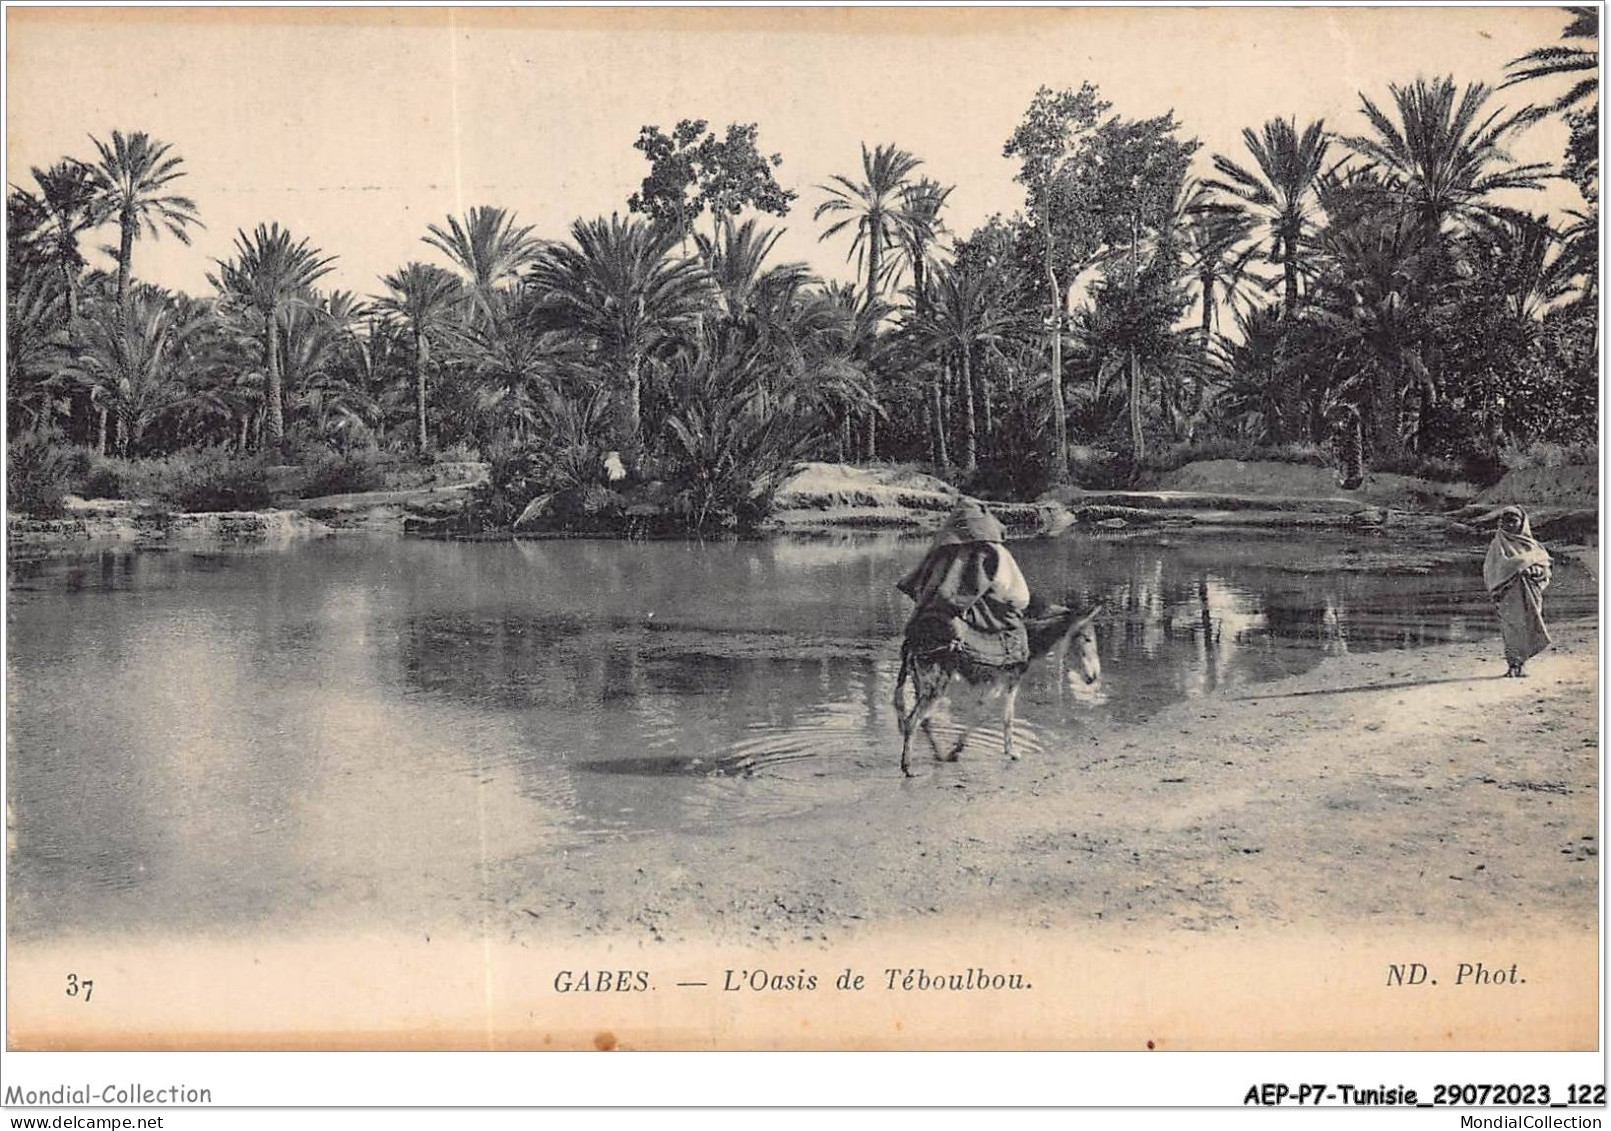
x=930, y=637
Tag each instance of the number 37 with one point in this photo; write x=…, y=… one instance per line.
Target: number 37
x=75, y=986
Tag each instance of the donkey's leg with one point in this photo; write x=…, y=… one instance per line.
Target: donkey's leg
x=1008, y=706
x=968, y=727
x=929, y=682
x=927, y=696
x=906, y=718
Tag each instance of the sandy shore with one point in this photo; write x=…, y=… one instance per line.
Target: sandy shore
x=1242, y=871
x=1398, y=788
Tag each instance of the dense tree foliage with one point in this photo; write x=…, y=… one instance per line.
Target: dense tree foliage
x=1382, y=271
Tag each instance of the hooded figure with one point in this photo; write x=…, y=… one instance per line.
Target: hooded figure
x=1516, y=572
x=969, y=593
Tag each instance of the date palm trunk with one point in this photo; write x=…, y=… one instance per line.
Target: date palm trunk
x=422, y=359
x=1198, y=390
x=634, y=402
x=125, y=254
x=275, y=393
x=970, y=430
x=1138, y=442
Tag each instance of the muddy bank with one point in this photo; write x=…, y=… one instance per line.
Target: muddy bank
x=125, y=523
x=823, y=495
x=1386, y=790
x=1272, y=478
x=146, y=524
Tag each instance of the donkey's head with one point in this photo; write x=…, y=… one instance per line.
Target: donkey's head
x=1062, y=631
x=1084, y=662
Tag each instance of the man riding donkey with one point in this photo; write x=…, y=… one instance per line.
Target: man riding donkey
x=969, y=621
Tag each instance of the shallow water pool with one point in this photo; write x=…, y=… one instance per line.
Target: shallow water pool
x=224, y=739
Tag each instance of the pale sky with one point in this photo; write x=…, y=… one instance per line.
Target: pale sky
x=357, y=127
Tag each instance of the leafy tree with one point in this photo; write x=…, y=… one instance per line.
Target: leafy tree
x=268, y=276
x=1134, y=172
x=1048, y=136
x=133, y=177
x=692, y=170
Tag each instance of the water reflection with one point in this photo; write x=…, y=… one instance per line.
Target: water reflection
x=372, y=727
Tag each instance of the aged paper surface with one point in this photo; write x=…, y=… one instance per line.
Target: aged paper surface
x=1260, y=871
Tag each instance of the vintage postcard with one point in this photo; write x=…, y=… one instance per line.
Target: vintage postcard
x=803, y=529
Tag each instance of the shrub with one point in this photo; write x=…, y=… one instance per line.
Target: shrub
x=213, y=479
x=1179, y=455
x=1518, y=455
x=460, y=451
x=330, y=473
x=40, y=470
x=111, y=478
x=515, y=476
x=1470, y=467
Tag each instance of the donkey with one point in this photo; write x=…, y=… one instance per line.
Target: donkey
x=930, y=673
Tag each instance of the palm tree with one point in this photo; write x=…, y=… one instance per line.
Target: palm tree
x=964, y=318
x=1276, y=194
x=1218, y=253
x=133, y=175
x=770, y=310
x=1581, y=102
x=871, y=208
x=731, y=454
x=69, y=194
x=37, y=348
x=134, y=359
x=1443, y=158
x=315, y=337
x=269, y=275
x=618, y=283
x=1517, y=251
x=1378, y=296
x=1548, y=62
x=514, y=359
x=487, y=246
x=854, y=352
x=918, y=229
x=422, y=296
x=746, y=288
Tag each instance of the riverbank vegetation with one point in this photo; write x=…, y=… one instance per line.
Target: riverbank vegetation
x=1150, y=304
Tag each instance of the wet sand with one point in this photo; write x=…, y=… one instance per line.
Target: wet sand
x=1394, y=788
x=1243, y=870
